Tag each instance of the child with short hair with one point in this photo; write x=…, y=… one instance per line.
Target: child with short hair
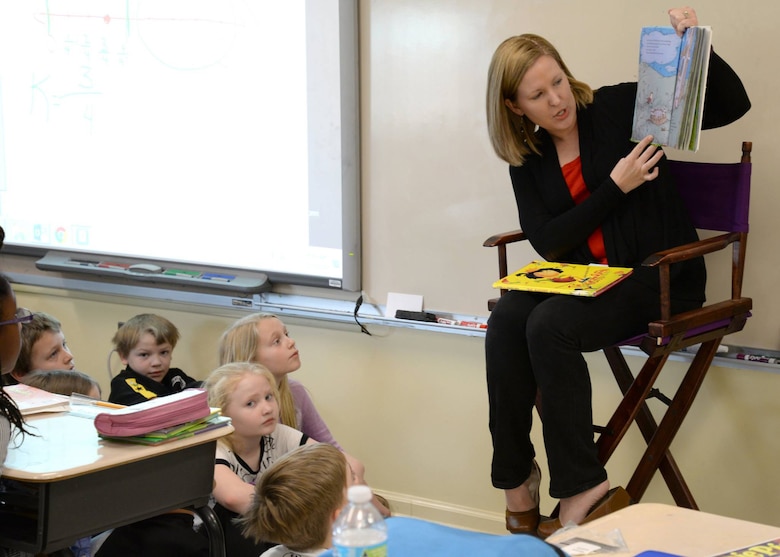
x=43, y=348
x=263, y=338
x=64, y=382
x=145, y=345
x=297, y=499
x=247, y=394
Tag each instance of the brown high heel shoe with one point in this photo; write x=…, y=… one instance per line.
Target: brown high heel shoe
x=526, y=522
x=616, y=498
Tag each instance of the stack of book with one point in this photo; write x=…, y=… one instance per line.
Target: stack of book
x=161, y=419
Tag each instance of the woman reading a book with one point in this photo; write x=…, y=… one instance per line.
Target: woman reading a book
x=585, y=194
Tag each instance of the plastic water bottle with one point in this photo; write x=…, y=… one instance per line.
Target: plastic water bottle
x=359, y=531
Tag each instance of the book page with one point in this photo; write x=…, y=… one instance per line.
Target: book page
x=659, y=52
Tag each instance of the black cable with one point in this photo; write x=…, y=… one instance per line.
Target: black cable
x=359, y=303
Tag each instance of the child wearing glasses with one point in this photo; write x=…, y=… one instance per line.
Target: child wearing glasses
x=10, y=344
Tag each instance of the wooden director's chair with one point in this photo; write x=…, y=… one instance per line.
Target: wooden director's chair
x=717, y=196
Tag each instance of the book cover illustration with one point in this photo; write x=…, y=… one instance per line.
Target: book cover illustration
x=671, y=84
x=32, y=400
x=563, y=278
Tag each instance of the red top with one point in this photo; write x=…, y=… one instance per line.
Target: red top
x=572, y=173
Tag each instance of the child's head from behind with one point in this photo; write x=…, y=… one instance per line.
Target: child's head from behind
x=43, y=346
x=64, y=382
x=145, y=343
x=246, y=392
x=261, y=338
x=298, y=497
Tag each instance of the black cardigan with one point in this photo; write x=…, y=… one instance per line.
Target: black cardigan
x=646, y=220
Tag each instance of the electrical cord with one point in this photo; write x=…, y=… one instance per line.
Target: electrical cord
x=359, y=303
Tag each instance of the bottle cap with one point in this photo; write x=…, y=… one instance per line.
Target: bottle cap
x=359, y=494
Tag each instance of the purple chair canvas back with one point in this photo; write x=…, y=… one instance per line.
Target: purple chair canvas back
x=717, y=194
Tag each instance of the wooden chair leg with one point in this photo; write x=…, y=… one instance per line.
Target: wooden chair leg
x=627, y=410
x=672, y=420
x=648, y=427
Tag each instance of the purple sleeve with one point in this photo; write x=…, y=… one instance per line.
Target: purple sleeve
x=309, y=420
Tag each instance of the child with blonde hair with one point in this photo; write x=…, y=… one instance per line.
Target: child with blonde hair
x=145, y=345
x=263, y=338
x=247, y=394
x=297, y=500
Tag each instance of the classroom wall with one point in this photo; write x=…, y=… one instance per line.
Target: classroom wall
x=412, y=404
x=433, y=188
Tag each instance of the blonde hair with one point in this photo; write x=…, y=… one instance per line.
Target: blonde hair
x=221, y=383
x=240, y=343
x=296, y=498
x=62, y=381
x=129, y=334
x=514, y=137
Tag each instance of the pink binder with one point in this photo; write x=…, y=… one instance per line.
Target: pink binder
x=154, y=414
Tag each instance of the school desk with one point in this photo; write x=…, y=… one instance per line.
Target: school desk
x=69, y=483
x=653, y=527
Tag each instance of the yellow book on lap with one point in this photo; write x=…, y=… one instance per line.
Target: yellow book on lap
x=564, y=278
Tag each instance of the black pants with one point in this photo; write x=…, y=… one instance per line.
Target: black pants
x=536, y=341
x=166, y=535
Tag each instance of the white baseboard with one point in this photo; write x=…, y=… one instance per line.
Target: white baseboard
x=445, y=513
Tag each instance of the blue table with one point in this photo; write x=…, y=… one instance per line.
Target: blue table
x=412, y=537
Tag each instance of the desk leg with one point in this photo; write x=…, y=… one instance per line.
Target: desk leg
x=214, y=530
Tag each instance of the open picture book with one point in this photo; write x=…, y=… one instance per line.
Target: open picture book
x=564, y=278
x=672, y=78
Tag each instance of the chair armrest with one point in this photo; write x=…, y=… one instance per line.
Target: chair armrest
x=663, y=259
x=691, y=250
x=684, y=322
x=500, y=241
x=504, y=238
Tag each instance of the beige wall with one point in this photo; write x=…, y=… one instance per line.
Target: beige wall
x=412, y=404
x=430, y=174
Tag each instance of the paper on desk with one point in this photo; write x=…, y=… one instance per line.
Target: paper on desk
x=578, y=540
x=408, y=302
